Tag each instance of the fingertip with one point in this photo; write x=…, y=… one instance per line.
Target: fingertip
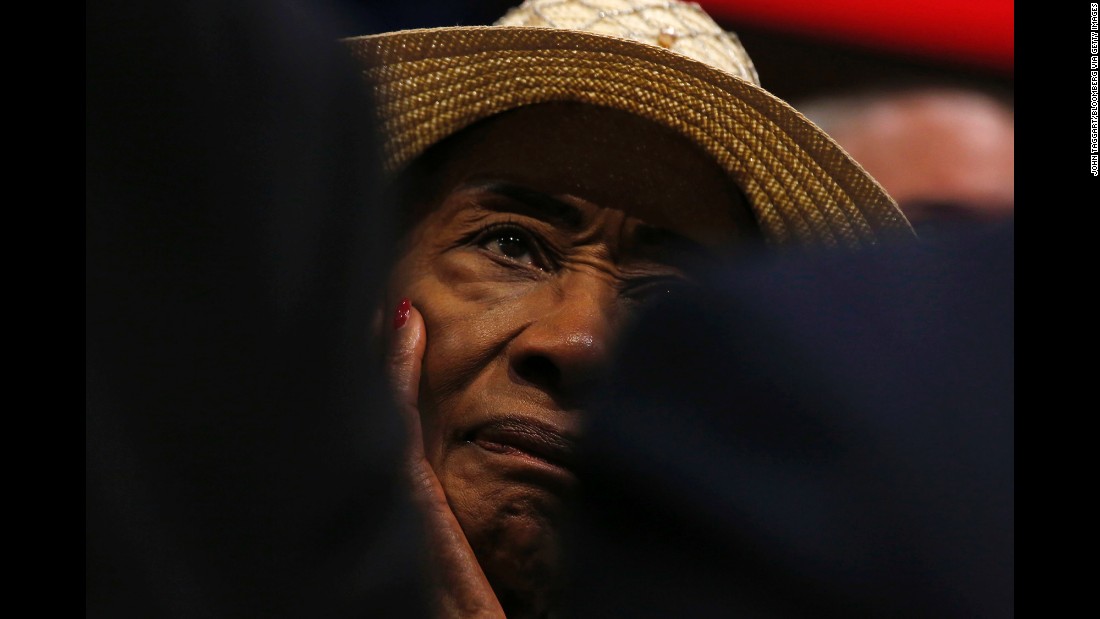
x=415, y=319
x=401, y=315
x=406, y=353
x=408, y=327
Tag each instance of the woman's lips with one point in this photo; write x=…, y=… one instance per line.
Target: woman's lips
x=523, y=437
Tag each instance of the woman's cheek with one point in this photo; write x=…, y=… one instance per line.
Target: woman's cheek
x=472, y=277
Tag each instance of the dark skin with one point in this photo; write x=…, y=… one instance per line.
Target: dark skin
x=541, y=232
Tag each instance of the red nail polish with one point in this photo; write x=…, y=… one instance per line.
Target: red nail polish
x=402, y=315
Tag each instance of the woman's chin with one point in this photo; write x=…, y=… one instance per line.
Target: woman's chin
x=512, y=499
x=515, y=531
x=523, y=563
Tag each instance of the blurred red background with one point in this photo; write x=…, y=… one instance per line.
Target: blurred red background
x=978, y=32
x=807, y=49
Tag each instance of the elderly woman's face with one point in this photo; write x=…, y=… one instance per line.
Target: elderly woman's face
x=543, y=231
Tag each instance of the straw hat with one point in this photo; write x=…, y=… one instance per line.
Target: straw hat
x=663, y=60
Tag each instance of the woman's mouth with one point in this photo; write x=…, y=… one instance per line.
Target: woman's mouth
x=542, y=445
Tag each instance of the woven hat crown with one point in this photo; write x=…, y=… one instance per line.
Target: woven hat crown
x=682, y=27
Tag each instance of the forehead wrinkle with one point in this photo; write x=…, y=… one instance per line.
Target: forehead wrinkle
x=455, y=206
x=625, y=254
x=600, y=232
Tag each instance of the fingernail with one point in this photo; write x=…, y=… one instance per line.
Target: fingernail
x=401, y=316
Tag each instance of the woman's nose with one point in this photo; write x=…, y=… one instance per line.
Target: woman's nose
x=563, y=349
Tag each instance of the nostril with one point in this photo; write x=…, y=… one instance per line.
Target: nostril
x=540, y=371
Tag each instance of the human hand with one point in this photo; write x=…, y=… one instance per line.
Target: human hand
x=459, y=585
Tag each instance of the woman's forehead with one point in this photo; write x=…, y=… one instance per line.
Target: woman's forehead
x=604, y=157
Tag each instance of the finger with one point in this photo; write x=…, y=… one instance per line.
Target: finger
x=462, y=589
x=405, y=358
x=406, y=353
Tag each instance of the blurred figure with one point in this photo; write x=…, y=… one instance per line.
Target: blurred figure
x=242, y=452
x=946, y=155
x=823, y=437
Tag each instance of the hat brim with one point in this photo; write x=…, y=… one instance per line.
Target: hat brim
x=802, y=186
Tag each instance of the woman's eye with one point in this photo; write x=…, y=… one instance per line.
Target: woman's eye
x=652, y=290
x=512, y=245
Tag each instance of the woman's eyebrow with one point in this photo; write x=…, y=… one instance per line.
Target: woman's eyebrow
x=668, y=246
x=533, y=203
x=649, y=241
